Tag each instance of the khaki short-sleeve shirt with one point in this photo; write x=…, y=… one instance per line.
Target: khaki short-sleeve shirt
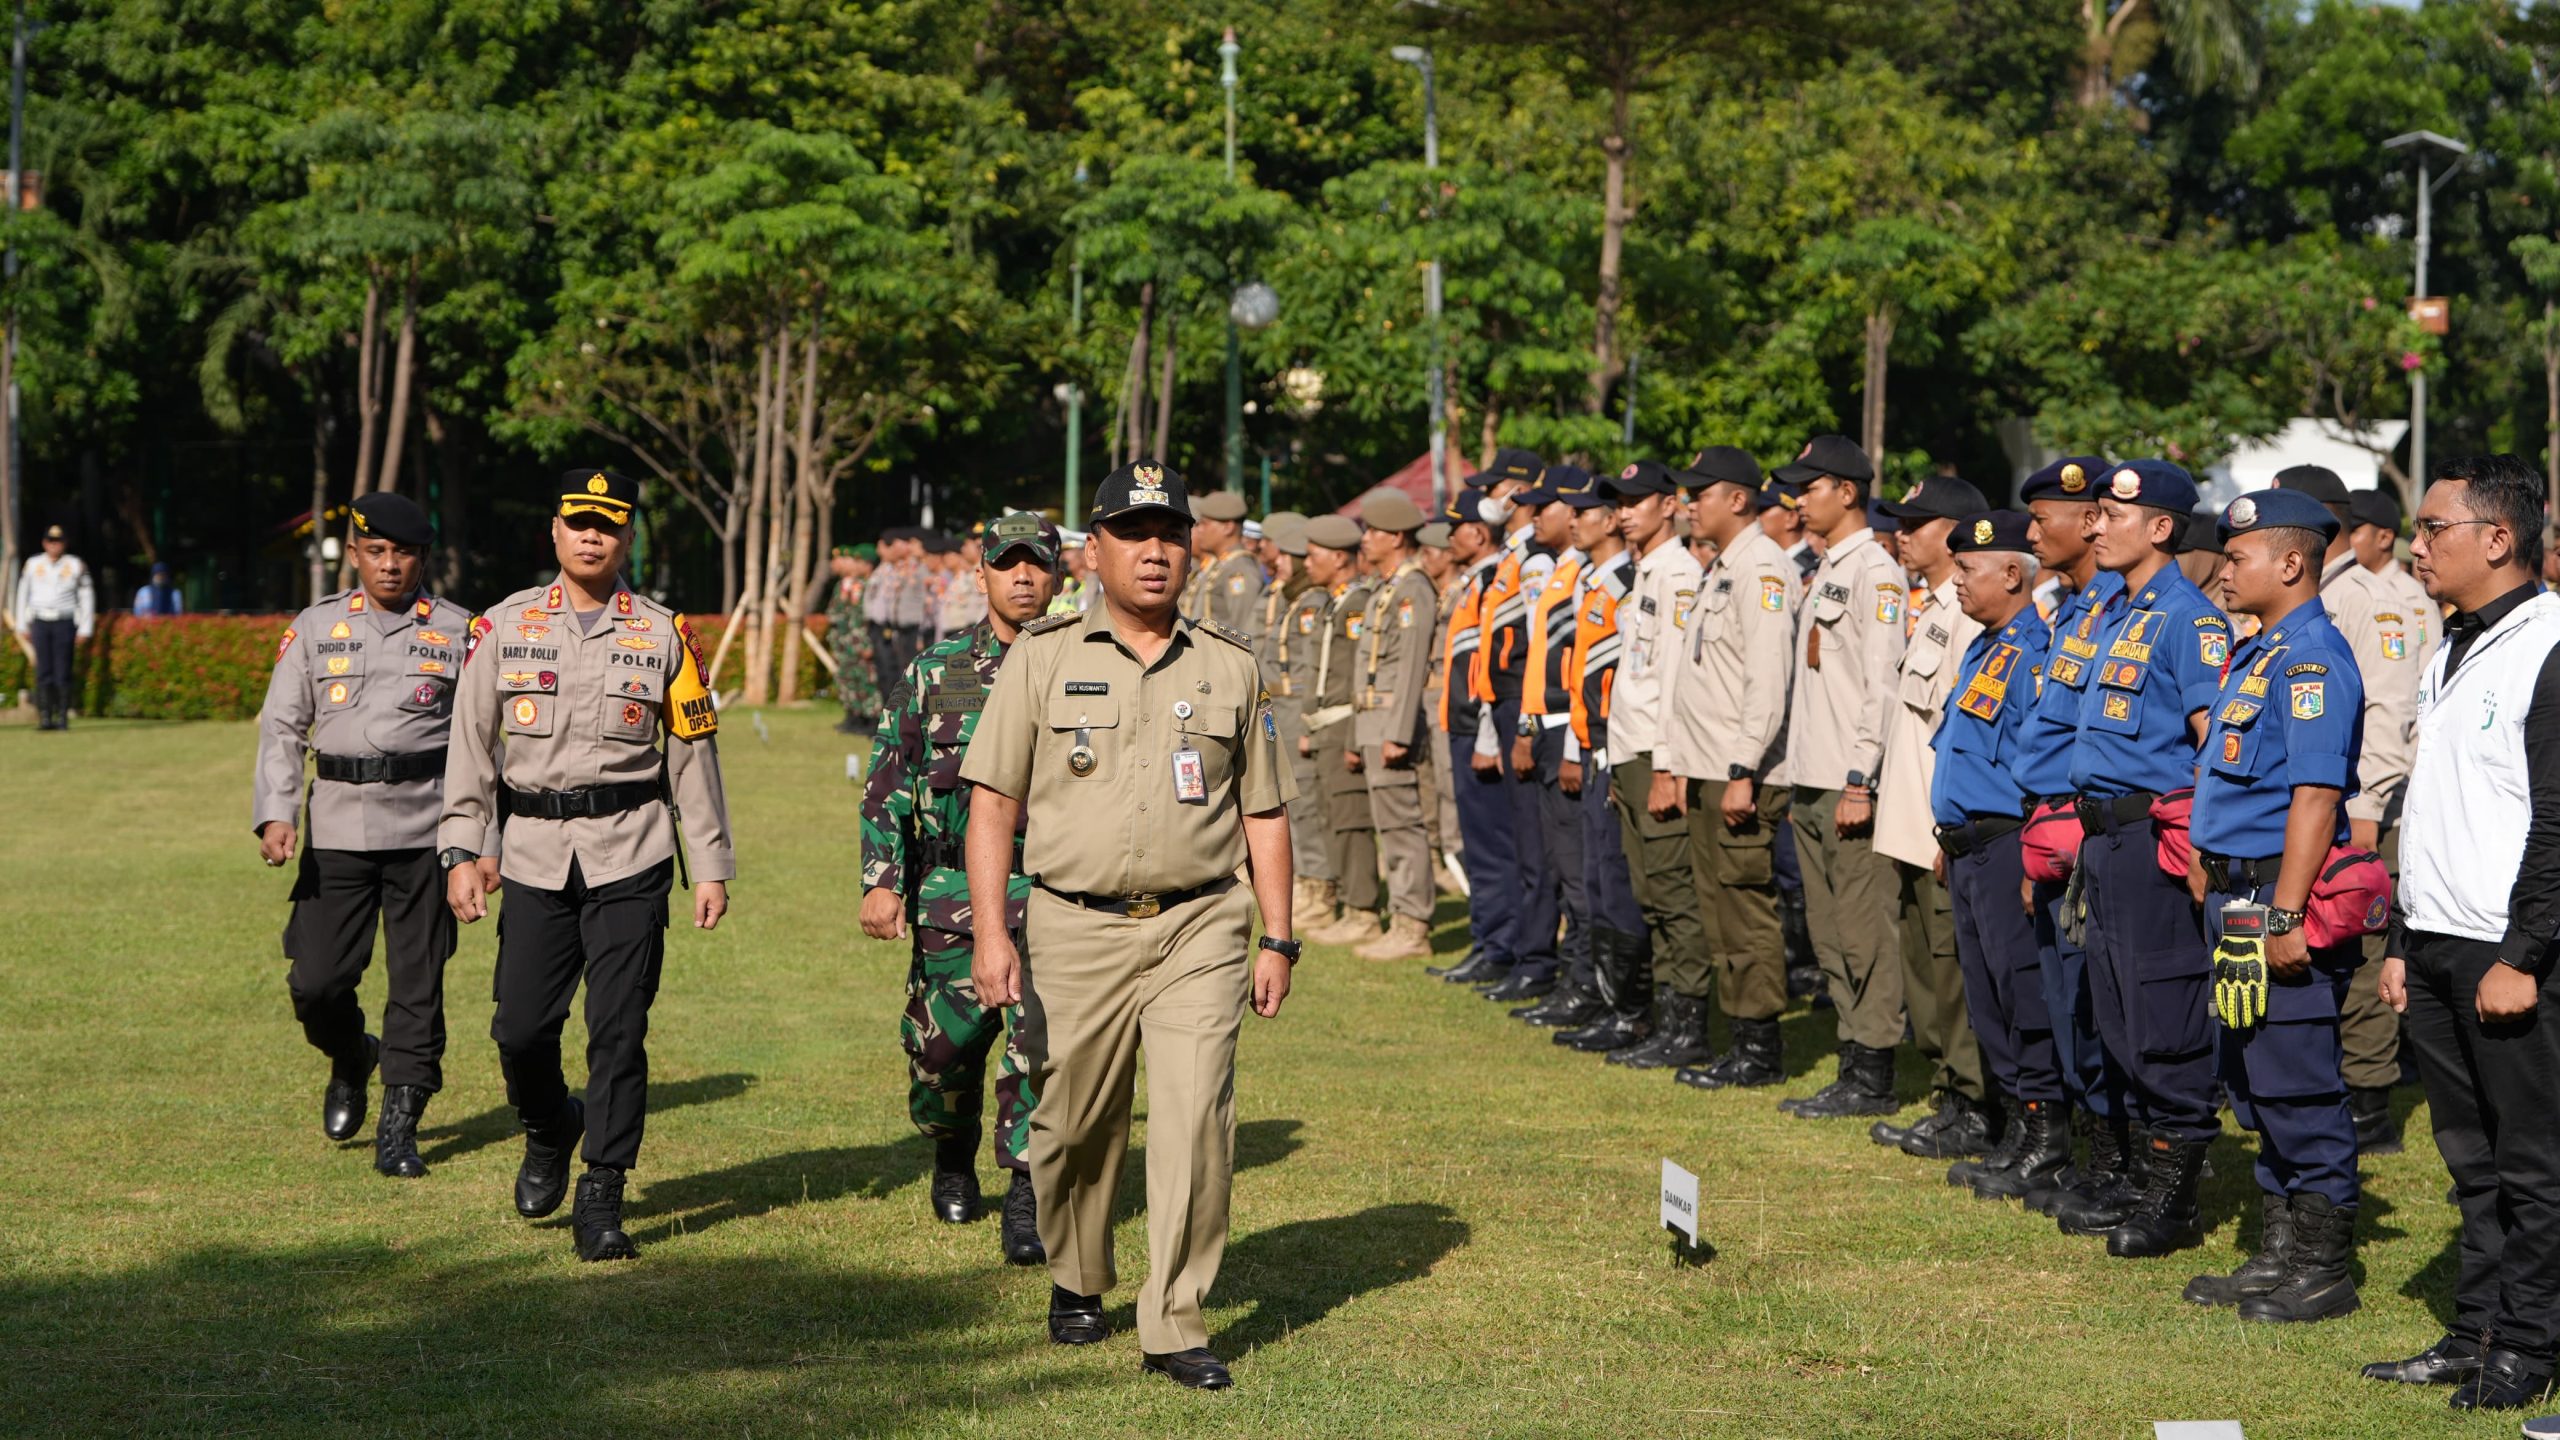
x=1092, y=743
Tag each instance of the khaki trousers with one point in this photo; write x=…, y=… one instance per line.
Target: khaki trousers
x=1404, y=845
x=1737, y=881
x=1098, y=988
x=1351, y=838
x=2368, y=1030
x=1307, y=835
x=1849, y=896
x=1933, y=984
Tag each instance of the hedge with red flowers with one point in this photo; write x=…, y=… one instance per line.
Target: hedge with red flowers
x=215, y=667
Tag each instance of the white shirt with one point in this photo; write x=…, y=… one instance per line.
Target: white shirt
x=1651, y=631
x=2469, y=801
x=50, y=589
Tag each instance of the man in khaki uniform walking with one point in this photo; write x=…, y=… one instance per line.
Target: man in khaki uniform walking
x=1388, y=715
x=1849, y=636
x=1228, y=585
x=576, y=680
x=364, y=683
x=1725, y=736
x=1332, y=738
x=1961, y=1123
x=1141, y=756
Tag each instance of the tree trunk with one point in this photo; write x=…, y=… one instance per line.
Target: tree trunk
x=2550, y=403
x=804, y=497
x=777, y=530
x=1879, y=345
x=453, y=465
x=1137, y=392
x=368, y=410
x=395, y=432
x=1164, y=397
x=1489, y=438
x=10, y=486
x=319, y=493
x=759, y=472
x=1606, y=365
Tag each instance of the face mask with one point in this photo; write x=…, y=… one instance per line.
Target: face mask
x=1495, y=512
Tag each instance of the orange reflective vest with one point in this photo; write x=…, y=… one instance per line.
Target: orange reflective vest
x=1458, y=700
x=1502, y=653
x=1595, y=648
x=1549, y=685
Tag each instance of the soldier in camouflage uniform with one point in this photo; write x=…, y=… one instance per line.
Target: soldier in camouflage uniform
x=849, y=642
x=915, y=817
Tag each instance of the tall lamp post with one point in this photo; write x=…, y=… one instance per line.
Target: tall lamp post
x=1436, y=384
x=1227, y=52
x=1069, y=390
x=2427, y=188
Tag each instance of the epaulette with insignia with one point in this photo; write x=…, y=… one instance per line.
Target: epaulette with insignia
x=1223, y=633
x=1047, y=623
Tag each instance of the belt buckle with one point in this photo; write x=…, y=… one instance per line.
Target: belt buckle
x=1145, y=907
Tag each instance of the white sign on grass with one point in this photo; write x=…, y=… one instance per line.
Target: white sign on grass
x=2196, y=1430
x=1680, y=1201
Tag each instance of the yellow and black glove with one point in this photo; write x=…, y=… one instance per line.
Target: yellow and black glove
x=2240, y=968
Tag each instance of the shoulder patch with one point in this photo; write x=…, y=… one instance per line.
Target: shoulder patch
x=2307, y=667
x=2210, y=622
x=1059, y=621
x=1223, y=633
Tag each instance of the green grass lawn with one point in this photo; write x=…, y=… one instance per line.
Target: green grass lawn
x=1443, y=1224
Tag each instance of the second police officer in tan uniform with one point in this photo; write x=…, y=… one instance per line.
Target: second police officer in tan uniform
x=1388, y=716
x=364, y=681
x=1332, y=738
x=1227, y=587
x=1141, y=754
x=556, y=727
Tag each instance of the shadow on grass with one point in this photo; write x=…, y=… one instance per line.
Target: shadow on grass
x=364, y=1338
x=1296, y=1274
x=439, y=1143
x=700, y=1201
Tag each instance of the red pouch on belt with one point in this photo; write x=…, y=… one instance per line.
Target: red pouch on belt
x=2351, y=898
x=2050, y=843
x=2169, y=814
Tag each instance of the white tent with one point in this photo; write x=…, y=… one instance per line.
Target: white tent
x=2356, y=455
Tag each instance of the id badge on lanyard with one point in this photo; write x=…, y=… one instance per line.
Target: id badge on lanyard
x=1190, y=777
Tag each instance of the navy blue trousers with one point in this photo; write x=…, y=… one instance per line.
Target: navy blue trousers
x=1540, y=888
x=1560, y=833
x=1491, y=861
x=2004, y=989
x=2286, y=1074
x=2089, y=1077
x=2150, y=983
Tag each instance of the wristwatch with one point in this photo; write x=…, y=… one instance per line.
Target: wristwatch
x=1285, y=949
x=1857, y=779
x=456, y=855
x=1737, y=772
x=2283, y=922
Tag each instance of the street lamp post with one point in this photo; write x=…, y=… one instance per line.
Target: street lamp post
x=1436, y=385
x=1072, y=391
x=1227, y=51
x=2427, y=189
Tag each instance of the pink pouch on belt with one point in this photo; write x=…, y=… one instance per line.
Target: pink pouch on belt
x=2352, y=898
x=2051, y=842
x=2169, y=814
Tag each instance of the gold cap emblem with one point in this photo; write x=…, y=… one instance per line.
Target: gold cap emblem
x=2074, y=479
x=1981, y=532
x=596, y=485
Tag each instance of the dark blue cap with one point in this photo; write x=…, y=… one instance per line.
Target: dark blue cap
x=2155, y=483
x=2073, y=477
x=1990, y=530
x=2280, y=509
x=1645, y=477
x=1881, y=520
x=1463, y=509
x=1774, y=495
x=1590, y=499
x=1561, y=481
x=1509, y=463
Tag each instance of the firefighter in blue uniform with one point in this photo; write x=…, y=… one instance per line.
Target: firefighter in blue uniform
x=2278, y=766
x=2159, y=669
x=2062, y=501
x=1979, y=805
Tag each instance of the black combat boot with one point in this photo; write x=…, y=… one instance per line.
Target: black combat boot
x=1793, y=1104
x=1442, y=972
x=2013, y=1131
x=597, y=1217
x=1522, y=984
x=342, y=1103
x=2105, y=1196
x=2317, y=1282
x=1481, y=969
x=1570, y=1007
x=1804, y=969
x=954, y=1194
x=1022, y=1223
x=2166, y=1220
x=2043, y=1150
x=2377, y=1130
x=2260, y=1273
x=1973, y=1129
x=1865, y=1087
x=1757, y=1058
x=2040, y=1197
x=1629, y=986
x=1890, y=1135
x=395, y=1135
x=543, y=1179
x=1681, y=1040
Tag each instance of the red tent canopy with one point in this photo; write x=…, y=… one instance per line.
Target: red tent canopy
x=1413, y=480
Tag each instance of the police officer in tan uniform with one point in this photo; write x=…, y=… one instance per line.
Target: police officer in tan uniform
x=1961, y=1123
x=1388, y=718
x=1849, y=637
x=1298, y=647
x=1332, y=739
x=1139, y=751
x=364, y=682
x=1228, y=583
x=1725, y=735
x=556, y=726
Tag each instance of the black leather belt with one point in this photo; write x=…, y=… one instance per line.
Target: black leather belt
x=2232, y=874
x=2100, y=814
x=382, y=769
x=1144, y=907
x=587, y=802
x=1962, y=840
x=942, y=854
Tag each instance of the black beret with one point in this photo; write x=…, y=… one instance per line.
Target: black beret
x=385, y=516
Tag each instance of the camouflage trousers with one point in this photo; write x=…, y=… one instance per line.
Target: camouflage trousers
x=947, y=1034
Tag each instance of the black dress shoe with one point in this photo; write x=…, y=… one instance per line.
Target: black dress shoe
x=597, y=1217
x=543, y=1179
x=1440, y=972
x=395, y=1136
x=1482, y=969
x=1022, y=1224
x=342, y=1104
x=1075, y=1319
x=1195, y=1368
x=2506, y=1381
x=2449, y=1361
x=1520, y=985
x=956, y=1197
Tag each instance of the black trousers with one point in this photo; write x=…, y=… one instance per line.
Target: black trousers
x=337, y=897
x=2489, y=1089
x=54, y=640
x=615, y=936
x=1560, y=823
